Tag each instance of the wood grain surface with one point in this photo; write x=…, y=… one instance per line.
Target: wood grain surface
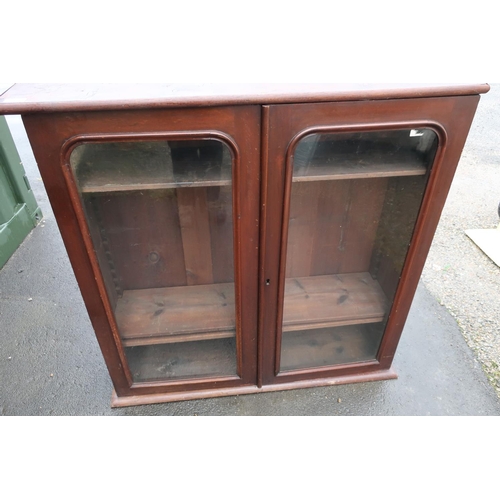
x=34, y=98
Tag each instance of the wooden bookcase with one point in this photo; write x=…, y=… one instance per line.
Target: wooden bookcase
x=238, y=240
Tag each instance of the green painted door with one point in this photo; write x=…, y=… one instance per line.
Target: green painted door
x=19, y=212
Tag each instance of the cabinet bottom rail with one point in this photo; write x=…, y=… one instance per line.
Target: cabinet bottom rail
x=146, y=399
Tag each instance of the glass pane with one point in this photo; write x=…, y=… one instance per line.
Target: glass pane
x=160, y=217
x=354, y=203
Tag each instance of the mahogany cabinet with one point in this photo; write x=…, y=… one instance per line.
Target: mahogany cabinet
x=231, y=240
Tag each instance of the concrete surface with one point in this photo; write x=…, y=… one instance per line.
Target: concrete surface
x=50, y=363
x=457, y=272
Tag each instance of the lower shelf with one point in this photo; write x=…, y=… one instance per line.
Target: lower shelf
x=330, y=346
x=207, y=312
x=185, y=360
x=217, y=357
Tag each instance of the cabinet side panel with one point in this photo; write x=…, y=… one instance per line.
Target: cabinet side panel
x=47, y=135
x=103, y=253
x=455, y=115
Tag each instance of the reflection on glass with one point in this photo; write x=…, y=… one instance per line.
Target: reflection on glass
x=354, y=203
x=160, y=217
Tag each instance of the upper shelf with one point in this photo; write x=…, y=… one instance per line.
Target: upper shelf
x=346, y=168
x=368, y=154
x=134, y=166
x=359, y=170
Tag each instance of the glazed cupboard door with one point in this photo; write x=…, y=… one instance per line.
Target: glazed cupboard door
x=168, y=207
x=352, y=226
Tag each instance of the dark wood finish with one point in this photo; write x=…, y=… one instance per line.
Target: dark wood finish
x=47, y=98
x=104, y=254
x=50, y=134
x=457, y=116
x=287, y=125
x=306, y=269
x=372, y=375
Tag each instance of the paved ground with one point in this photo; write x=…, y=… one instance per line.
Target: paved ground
x=50, y=363
x=457, y=272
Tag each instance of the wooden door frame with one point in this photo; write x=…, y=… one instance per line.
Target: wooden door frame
x=53, y=135
x=450, y=117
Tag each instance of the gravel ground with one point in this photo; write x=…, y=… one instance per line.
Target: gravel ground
x=457, y=272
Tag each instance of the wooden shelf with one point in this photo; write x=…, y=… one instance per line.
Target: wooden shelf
x=211, y=358
x=176, y=314
x=333, y=300
x=351, y=156
x=357, y=171
x=96, y=186
x=122, y=167
x=330, y=347
x=203, y=312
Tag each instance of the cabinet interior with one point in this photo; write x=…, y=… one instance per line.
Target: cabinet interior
x=354, y=202
x=161, y=220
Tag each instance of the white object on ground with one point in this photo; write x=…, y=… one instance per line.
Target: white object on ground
x=488, y=240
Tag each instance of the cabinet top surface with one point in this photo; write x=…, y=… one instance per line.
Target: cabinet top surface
x=43, y=98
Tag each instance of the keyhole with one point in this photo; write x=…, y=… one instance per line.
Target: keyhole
x=268, y=282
